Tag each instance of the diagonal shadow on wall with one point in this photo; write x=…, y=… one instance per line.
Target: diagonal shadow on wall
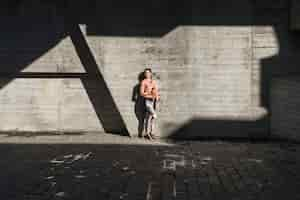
x=41, y=32
x=152, y=19
x=157, y=18
x=101, y=98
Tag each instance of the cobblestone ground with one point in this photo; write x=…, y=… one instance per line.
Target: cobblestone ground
x=116, y=167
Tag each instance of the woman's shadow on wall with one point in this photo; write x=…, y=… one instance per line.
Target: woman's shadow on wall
x=139, y=104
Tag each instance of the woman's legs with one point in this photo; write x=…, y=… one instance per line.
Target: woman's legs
x=147, y=129
x=149, y=118
x=148, y=123
x=149, y=126
x=152, y=127
x=150, y=107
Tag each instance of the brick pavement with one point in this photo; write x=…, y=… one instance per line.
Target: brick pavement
x=114, y=167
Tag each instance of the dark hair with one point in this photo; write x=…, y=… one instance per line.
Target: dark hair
x=148, y=69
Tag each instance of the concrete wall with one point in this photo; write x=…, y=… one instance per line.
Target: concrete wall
x=213, y=62
x=294, y=14
x=285, y=107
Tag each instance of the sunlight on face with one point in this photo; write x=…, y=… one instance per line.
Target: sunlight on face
x=148, y=74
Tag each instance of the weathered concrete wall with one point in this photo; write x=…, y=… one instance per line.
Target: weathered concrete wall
x=213, y=62
x=294, y=15
x=277, y=59
x=285, y=107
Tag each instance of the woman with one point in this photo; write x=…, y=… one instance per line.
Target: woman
x=149, y=91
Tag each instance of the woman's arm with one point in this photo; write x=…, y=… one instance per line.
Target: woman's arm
x=155, y=91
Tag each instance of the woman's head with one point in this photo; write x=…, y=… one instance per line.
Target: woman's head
x=148, y=73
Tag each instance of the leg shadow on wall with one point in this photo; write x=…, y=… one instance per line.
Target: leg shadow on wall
x=139, y=104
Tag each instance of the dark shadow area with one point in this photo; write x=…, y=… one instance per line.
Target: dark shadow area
x=58, y=19
x=286, y=61
x=41, y=133
x=284, y=64
x=107, y=171
x=43, y=25
x=139, y=104
x=283, y=141
x=25, y=37
x=134, y=18
x=156, y=18
x=201, y=128
x=100, y=97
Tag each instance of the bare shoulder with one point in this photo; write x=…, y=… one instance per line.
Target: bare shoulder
x=154, y=83
x=143, y=82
